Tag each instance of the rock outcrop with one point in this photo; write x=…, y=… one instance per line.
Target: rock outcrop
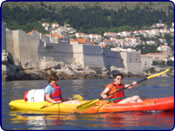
x=13, y=70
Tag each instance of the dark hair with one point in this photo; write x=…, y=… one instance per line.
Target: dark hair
x=53, y=77
x=117, y=74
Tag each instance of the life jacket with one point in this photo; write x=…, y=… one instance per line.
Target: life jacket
x=116, y=97
x=56, y=95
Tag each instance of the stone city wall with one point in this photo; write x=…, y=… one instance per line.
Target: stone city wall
x=132, y=62
x=60, y=52
x=3, y=40
x=25, y=47
x=112, y=58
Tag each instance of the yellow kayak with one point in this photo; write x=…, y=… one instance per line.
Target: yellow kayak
x=160, y=104
x=42, y=106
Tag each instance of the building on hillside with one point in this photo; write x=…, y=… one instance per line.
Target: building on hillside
x=46, y=25
x=55, y=38
x=118, y=42
x=131, y=41
x=153, y=32
x=150, y=42
x=121, y=49
x=38, y=35
x=71, y=30
x=83, y=41
x=81, y=35
x=164, y=31
x=124, y=33
x=165, y=48
x=35, y=33
x=106, y=43
x=162, y=40
x=158, y=25
x=55, y=25
x=95, y=37
x=110, y=34
x=158, y=56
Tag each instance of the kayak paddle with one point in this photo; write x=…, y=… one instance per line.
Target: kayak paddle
x=89, y=104
x=75, y=97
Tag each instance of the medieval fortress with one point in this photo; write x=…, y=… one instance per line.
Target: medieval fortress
x=26, y=48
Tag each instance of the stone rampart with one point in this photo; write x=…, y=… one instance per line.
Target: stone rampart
x=112, y=58
x=3, y=40
x=132, y=62
x=28, y=49
x=60, y=52
x=22, y=46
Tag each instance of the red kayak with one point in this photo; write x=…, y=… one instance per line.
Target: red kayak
x=155, y=104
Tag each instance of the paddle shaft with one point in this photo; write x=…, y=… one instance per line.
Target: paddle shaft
x=129, y=86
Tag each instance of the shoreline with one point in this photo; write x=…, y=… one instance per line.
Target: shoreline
x=13, y=70
x=28, y=77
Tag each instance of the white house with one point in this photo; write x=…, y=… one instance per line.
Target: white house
x=162, y=40
x=150, y=42
x=164, y=31
x=71, y=30
x=55, y=25
x=158, y=25
x=95, y=37
x=125, y=33
x=153, y=32
x=81, y=35
x=46, y=25
x=110, y=34
x=165, y=48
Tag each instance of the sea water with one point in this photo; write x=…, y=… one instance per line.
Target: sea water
x=88, y=89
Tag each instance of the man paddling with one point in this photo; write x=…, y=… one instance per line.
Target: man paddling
x=119, y=97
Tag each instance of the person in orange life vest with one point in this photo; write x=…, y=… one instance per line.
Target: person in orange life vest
x=119, y=97
x=53, y=90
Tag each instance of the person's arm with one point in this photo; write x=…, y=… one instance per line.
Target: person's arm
x=51, y=100
x=104, y=93
x=132, y=86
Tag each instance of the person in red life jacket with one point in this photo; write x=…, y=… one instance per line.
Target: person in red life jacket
x=53, y=90
x=119, y=97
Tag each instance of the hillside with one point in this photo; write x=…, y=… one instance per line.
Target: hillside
x=87, y=17
x=105, y=5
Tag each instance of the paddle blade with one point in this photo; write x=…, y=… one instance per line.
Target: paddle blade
x=86, y=105
x=158, y=74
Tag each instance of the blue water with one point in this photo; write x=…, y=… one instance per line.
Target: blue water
x=88, y=89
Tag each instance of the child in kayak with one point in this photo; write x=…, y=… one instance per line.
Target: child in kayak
x=119, y=97
x=53, y=92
